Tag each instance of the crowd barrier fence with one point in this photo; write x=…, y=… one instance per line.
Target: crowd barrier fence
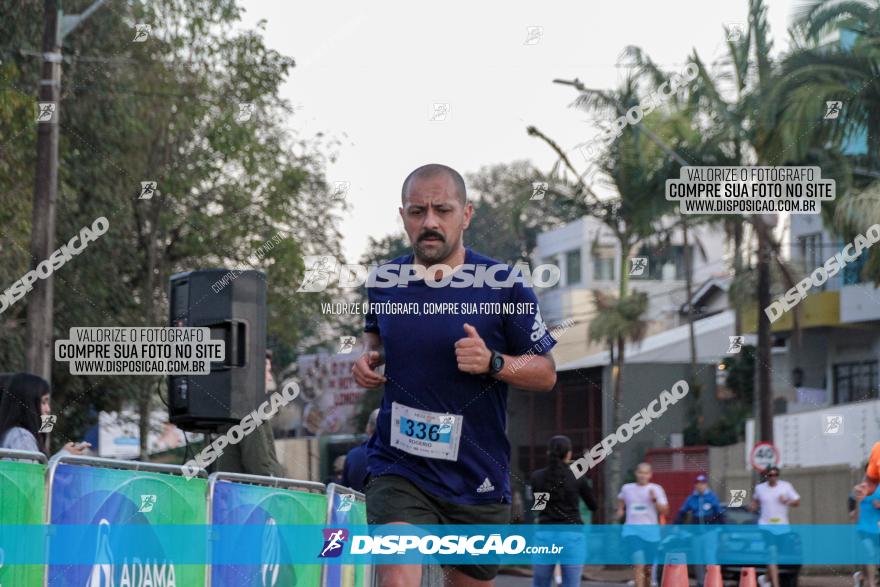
x=97, y=495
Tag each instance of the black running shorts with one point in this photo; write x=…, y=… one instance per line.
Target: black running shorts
x=391, y=498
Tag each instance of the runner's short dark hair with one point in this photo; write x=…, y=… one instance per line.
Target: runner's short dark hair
x=430, y=170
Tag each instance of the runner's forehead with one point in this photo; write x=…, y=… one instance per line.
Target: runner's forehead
x=432, y=191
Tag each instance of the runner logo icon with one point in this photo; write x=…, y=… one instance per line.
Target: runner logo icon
x=346, y=500
x=541, y=500
x=486, y=486
x=334, y=540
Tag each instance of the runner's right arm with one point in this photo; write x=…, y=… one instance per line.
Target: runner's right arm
x=364, y=369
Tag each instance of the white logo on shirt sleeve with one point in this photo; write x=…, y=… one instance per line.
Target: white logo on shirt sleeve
x=539, y=329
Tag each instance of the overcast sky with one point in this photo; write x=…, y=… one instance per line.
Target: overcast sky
x=368, y=74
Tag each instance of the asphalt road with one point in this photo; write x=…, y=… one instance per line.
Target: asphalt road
x=511, y=581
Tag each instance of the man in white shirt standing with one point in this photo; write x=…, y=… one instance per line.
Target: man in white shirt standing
x=641, y=504
x=773, y=497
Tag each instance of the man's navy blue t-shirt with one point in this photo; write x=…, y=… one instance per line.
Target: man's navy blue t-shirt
x=422, y=373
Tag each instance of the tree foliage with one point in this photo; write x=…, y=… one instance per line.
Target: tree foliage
x=230, y=193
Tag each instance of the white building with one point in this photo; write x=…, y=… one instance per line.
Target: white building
x=835, y=371
x=589, y=258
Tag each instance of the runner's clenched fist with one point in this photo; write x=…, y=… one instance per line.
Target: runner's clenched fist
x=472, y=353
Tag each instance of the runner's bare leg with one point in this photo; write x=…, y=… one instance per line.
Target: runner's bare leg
x=641, y=575
x=773, y=571
x=399, y=575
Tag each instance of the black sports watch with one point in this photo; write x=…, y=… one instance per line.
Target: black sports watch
x=496, y=363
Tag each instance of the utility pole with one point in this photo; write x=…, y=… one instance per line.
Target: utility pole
x=764, y=420
x=41, y=300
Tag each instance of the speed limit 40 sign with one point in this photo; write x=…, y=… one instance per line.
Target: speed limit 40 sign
x=763, y=455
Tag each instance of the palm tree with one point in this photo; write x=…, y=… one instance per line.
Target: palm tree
x=702, y=148
x=824, y=67
x=743, y=126
x=617, y=321
x=637, y=168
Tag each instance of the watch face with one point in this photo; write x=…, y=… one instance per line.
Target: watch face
x=497, y=363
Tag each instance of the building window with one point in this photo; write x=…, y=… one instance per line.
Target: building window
x=810, y=246
x=855, y=381
x=603, y=263
x=665, y=263
x=573, y=267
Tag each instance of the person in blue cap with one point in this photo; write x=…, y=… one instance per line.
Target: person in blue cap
x=702, y=507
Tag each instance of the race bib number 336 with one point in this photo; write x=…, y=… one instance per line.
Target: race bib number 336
x=426, y=434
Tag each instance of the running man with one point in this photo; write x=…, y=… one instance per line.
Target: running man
x=773, y=497
x=334, y=543
x=440, y=453
x=641, y=504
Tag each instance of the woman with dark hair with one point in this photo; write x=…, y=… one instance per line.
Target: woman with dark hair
x=557, y=494
x=23, y=399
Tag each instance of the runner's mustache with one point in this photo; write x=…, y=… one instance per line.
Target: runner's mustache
x=431, y=234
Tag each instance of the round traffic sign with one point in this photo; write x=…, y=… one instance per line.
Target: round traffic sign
x=764, y=454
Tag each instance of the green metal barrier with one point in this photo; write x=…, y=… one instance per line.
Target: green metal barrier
x=22, y=494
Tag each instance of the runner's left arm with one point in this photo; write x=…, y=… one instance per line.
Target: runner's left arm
x=794, y=498
x=660, y=502
x=529, y=364
x=537, y=373
x=529, y=372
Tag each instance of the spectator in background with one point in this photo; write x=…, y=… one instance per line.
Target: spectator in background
x=24, y=399
x=702, y=507
x=255, y=453
x=560, y=494
x=773, y=497
x=641, y=504
x=867, y=518
x=354, y=473
x=338, y=467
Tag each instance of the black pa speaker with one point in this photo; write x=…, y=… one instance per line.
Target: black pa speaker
x=232, y=304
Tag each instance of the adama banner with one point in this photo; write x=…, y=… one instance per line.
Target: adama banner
x=108, y=498
x=239, y=507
